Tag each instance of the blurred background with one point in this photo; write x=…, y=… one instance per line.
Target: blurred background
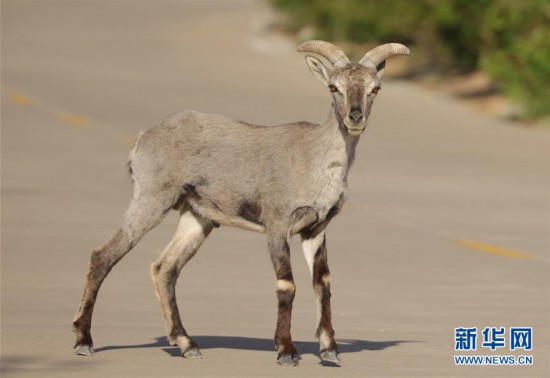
x=448, y=217
x=505, y=40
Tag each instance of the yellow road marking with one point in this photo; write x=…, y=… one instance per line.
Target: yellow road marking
x=492, y=249
x=20, y=99
x=76, y=120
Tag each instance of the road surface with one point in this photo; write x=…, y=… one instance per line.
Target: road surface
x=446, y=226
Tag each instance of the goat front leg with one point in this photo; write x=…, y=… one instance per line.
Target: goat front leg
x=315, y=251
x=280, y=256
x=191, y=232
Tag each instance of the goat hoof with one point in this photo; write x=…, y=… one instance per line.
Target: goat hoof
x=288, y=360
x=330, y=356
x=84, y=350
x=192, y=353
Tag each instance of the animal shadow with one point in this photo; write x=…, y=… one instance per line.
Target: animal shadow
x=258, y=344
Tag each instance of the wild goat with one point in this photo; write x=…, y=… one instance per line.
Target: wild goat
x=281, y=180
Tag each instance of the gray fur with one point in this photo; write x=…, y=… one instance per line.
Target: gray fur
x=281, y=180
x=217, y=165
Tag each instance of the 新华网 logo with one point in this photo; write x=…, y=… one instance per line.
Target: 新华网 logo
x=493, y=339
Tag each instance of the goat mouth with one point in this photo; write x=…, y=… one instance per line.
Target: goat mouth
x=355, y=131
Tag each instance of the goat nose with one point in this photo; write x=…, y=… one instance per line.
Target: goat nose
x=356, y=116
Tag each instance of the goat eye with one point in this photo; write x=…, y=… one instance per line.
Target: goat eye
x=375, y=90
x=332, y=88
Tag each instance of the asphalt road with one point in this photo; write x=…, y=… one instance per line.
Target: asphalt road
x=447, y=224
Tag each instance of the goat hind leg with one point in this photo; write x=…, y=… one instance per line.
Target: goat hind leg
x=191, y=232
x=141, y=216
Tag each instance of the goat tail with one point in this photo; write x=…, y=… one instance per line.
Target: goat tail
x=132, y=155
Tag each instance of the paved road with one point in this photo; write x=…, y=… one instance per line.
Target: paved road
x=447, y=224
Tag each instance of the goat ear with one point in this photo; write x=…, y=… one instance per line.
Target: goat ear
x=318, y=69
x=380, y=69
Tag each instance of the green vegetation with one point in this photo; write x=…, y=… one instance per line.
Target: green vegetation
x=507, y=39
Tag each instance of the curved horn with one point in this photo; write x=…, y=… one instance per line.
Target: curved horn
x=327, y=50
x=379, y=54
